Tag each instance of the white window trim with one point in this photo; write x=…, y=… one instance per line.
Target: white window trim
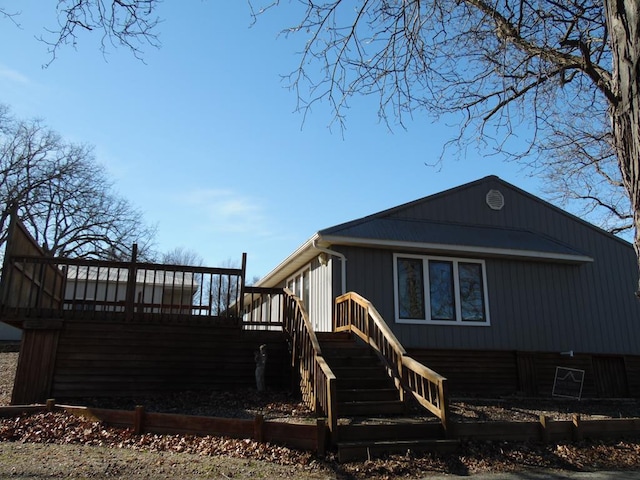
x=426, y=293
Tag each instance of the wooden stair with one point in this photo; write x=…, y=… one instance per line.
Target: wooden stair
x=371, y=415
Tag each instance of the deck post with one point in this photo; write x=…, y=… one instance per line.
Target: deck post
x=443, y=393
x=9, y=248
x=545, y=421
x=131, y=283
x=243, y=281
x=577, y=428
x=138, y=420
x=258, y=428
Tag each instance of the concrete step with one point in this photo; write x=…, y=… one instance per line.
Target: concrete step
x=352, y=451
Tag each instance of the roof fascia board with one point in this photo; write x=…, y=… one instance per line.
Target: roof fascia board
x=561, y=211
x=403, y=206
x=459, y=188
x=282, y=268
x=438, y=247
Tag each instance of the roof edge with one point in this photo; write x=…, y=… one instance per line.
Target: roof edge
x=274, y=275
x=450, y=248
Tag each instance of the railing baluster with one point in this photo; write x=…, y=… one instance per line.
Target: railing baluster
x=357, y=315
x=36, y=285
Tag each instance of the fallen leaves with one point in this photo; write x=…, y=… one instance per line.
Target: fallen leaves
x=63, y=428
x=473, y=457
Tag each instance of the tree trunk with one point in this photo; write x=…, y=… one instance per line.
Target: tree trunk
x=623, y=22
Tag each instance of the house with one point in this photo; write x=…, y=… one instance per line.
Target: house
x=485, y=283
x=159, y=291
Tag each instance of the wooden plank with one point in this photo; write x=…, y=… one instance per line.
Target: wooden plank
x=17, y=410
x=115, y=418
x=632, y=367
x=198, y=425
x=293, y=435
x=610, y=376
x=35, y=370
x=101, y=357
x=610, y=428
x=527, y=378
x=513, y=431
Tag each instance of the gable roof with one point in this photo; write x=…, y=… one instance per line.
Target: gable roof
x=451, y=238
x=398, y=228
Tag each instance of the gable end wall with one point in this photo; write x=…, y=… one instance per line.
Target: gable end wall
x=534, y=306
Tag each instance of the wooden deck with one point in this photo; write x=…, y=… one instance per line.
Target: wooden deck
x=103, y=328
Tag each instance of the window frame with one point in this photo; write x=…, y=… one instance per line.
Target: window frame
x=426, y=294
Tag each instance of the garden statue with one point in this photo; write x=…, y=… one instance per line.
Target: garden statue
x=260, y=358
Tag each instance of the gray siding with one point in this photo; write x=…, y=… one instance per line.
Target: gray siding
x=534, y=306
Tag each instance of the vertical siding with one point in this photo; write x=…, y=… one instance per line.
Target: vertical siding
x=321, y=299
x=35, y=366
x=321, y=293
x=534, y=305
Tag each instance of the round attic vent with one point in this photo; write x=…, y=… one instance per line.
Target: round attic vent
x=495, y=200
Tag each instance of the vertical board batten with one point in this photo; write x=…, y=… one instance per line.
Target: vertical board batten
x=36, y=363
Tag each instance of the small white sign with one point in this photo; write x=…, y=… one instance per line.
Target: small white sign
x=568, y=382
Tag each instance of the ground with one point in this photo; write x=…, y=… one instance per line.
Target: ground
x=58, y=445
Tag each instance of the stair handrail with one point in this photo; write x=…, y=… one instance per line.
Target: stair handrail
x=317, y=381
x=356, y=314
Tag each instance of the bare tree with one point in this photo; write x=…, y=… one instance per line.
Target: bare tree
x=580, y=166
x=223, y=290
x=130, y=23
x=64, y=196
x=182, y=256
x=498, y=65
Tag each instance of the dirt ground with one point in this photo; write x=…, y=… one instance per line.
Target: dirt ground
x=62, y=446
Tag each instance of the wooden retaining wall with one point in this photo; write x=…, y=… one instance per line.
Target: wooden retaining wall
x=547, y=430
x=315, y=437
x=116, y=357
x=495, y=373
x=310, y=437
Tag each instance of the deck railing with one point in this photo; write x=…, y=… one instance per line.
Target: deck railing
x=356, y=314
x=263, y=308
x=39, y=286
x=317, y=382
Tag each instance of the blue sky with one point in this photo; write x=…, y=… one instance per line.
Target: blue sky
x=203, y=136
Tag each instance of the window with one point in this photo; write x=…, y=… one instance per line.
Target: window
x=439, y=290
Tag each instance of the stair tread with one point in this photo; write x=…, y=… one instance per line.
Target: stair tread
x=369, y=402
x=381, y=443
x=369, y=390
